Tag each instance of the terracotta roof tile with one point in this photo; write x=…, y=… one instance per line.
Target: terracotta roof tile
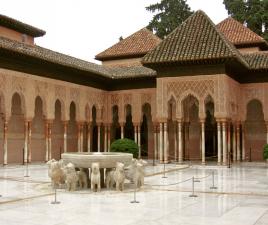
x=69, y=61
x=20, y=27
x=137, y=44
x=237, y=33
x=258, y=60
x=195, y=40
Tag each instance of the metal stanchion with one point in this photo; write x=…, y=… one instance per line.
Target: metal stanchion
x=134, y=200
x=55, y=198
x=213, y=185
x=193, y=194
x=27, y=170
x=196, y=179
x=164, y=174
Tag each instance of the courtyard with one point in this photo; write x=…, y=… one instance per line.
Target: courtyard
x=241, y=197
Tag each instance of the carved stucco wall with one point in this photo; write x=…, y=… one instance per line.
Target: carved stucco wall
x=30, y=86
x=136, y=98
x=223, y=90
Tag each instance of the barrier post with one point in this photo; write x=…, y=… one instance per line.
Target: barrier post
x=134, y=200
x=55, y=197
x=164, y=174
x=27, y=169
x=193, y=194
x=196, y=179
x=213, y=185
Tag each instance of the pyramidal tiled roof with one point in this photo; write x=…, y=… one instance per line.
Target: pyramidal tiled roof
x=137, y=44
x=194, y=41
x=237, y=33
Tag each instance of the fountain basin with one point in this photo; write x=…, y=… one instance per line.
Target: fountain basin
x=105, y=159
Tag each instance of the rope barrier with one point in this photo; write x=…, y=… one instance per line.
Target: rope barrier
x=171, y=184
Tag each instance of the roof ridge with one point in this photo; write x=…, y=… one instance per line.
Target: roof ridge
x=137, y=43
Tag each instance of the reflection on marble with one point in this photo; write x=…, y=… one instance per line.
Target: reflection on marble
x=241, y=198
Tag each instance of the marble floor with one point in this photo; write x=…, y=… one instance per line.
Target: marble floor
x=241, y=198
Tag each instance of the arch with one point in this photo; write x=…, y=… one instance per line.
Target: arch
x=16, y=129
x=147, y=141
x=22, y=101
x=57, y=131
x=94, y=129
x=2, y=116
x=171, y=125
x=115, y=129
x=255, y=130
x=72, y=137
x=62, y=104
x=128, y=128
x=38, y=146
x=210, y=129
x=190, y=106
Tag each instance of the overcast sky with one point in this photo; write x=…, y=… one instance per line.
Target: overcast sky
x=83, y=28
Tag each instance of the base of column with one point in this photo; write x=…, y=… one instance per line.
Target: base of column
x=203, y=163
x=219, y=163
x=224, y=164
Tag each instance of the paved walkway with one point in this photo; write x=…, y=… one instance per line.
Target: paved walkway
x=241, y=197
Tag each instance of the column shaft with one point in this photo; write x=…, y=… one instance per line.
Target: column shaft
x=5, y=141
x=29, y=141
x=25, y=157
x=180, y=142
x=89, y=137
x=238, y=151
x=243, y=142
x=99, y=147
x=65, y=136
x=105, y=138
x=203, y=150
x=78, y=137
x=166, y=147
x=109, y=137
x=219, y=142
x=224, y=144
x=234, y=143
x=175, y=143
x=161, y=142
x=46, y=137
x=49, y=141
x=139, y=139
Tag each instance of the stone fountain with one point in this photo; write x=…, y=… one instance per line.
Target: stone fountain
x=105, y=159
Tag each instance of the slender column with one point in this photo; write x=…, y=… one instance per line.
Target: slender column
x=88, y=137
x=135, y=134
x=175, y=142
x=266, y=131
x=139, y=139
x=229, y=140
x=49, y=140
x=161, y=150
x=105, y=138
x=25, y=157
x=5, y=141
x=65, y=123
x=243, y=142
x=29, y=141
x=180, y=141
x=219, y=141
x=155, y=142
x=109, y=136
x=99, y=127
x=234, y=143
x=46, y=137
x=203, y=150
x=238, y=156
x=224, y=144
x=122, y=130
x=81, y=137
x=166, y=146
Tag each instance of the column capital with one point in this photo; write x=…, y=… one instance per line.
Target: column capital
x=202, y=120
